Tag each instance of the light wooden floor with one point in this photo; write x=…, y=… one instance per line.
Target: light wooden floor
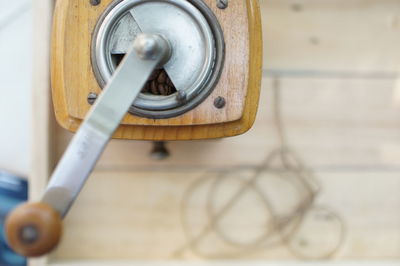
x=337, y=65
x=231, y=263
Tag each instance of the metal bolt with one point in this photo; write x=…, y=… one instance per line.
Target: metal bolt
x=220, y=102
x=160, y=151
x=95, y=2
x=149, y=46
x=146, y=46
x=222, y=4
x=92, y=97
x=181, y=97
x=29, y=234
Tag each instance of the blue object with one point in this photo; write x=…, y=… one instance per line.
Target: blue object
x=13, y=191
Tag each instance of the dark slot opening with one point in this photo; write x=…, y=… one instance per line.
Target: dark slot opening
x=159, y=82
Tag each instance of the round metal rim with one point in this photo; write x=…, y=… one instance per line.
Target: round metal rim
x=207, y=84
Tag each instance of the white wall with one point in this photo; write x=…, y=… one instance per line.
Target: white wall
x=15, y=85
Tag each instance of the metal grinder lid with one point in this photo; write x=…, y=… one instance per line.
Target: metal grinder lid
x=197, y=49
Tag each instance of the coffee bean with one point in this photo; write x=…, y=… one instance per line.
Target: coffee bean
x=146, y=88
x=162, y=78
x=159, y=84
x=169, y=90
x=155, y=74
x=153, y=88
x=169, y=82
x=162, y=89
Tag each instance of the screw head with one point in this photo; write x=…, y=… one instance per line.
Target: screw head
x=181, y=97
x=220, y=102
x=29, y=234
x=146, y=46
x=222, y=4
x=92, y=97
x=95, y=2
x=160, y=151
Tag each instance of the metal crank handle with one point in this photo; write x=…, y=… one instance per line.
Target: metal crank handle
x=34, y=229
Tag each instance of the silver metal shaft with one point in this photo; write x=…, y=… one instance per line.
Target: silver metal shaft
x=147, y=53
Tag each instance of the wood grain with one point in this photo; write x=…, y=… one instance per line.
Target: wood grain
x=347, y=131
x=220, y=263
x=344, y=123
x=145, y=222
x=313, y=36
x=72, y=76
x=340, y=119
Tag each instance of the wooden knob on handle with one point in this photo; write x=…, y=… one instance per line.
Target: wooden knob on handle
x=33, y=229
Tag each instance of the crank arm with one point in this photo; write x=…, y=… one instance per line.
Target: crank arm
x=34, y=229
